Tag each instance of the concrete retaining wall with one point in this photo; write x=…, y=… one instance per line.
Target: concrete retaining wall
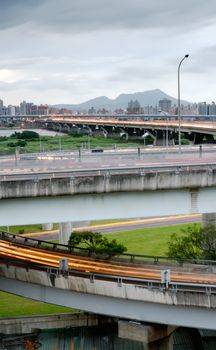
x=28, y=324
x=151, y=180
x=111, y=289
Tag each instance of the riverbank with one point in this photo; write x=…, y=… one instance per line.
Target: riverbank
x=54, y=141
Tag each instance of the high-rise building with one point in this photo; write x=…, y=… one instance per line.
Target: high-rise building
x=11, y=110
x=30, y=108
x=134, y=107
x=165, y=105
x=23, y=108
x=212, y=109
x=207, y=108
x=43, y=110
x=202, y=108
x=2, y=112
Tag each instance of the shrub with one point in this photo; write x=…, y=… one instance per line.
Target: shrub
x=96, y=243
x=26, y=135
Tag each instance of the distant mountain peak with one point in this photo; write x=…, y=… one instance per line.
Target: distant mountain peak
x=145, y=98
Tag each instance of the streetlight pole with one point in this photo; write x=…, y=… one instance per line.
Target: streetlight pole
x=179, y=103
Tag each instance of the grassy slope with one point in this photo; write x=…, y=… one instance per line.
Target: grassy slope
x=25, y=229
x=148, y=241
x=50, y=143
x=12, y=306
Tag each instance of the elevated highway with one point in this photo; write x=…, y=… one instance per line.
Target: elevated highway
x=196, y=130
x=132, y=287
x=153, y=189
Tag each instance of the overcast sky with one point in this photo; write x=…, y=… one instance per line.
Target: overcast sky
x=68, y=51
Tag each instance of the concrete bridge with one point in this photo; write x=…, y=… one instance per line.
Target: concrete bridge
x=96, y=194
x=187, y=298
x=76, y=195
x=163, y=131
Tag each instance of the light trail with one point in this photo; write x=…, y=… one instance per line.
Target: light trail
x=92, y=265
x=198, y=125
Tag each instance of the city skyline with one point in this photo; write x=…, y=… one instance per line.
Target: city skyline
x=69, y=52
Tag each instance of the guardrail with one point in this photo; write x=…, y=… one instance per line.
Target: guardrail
x=52, y=173
x=54, y=272
x=127, y=257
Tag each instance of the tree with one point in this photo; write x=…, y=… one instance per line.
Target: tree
x=96, y=243
x=209, y=242
x=196, y=243
x=26, y=135
x=187, y=246
x=88, y=239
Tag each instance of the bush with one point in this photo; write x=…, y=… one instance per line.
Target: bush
x=26, y=135
x=96, y=243
x=112, y=247
x=11, y=144
x=21, y=143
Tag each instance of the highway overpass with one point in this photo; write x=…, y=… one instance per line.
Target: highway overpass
x=153, y=189
x=163, y=131
x=129, y=288
x=174, y=186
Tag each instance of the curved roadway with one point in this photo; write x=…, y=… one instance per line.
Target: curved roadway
x=125, y=225
x=21, y=252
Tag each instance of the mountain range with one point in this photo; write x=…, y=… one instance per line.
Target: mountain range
x=145, y=98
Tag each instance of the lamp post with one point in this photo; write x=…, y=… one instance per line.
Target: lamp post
x=179, y=103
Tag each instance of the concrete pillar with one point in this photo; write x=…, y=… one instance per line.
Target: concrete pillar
x=64, y=232
x=47, y=227
x=209, y=218
x=162, y=344
x=154, y=337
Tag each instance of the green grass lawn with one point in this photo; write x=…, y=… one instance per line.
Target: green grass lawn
x=12, y=306
x=148, y=241
x=25, y=228
x=51, y=143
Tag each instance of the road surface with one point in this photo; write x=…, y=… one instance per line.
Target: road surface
x=39, y=256
x=127, y=225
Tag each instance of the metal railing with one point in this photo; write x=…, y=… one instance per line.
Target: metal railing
x=141, y=170
x=128, y=257
x=173, y=287
x=54, y=272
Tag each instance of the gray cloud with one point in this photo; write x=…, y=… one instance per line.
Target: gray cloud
x=67, y=50
x=85, y=15
x=17, y=12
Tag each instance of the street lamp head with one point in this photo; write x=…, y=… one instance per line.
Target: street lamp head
x=179, y=102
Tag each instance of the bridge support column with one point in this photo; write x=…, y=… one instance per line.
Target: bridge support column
x=64, y=232
x=162, y=344
x=208, y=219
x=154, y=337
x=47, y=227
